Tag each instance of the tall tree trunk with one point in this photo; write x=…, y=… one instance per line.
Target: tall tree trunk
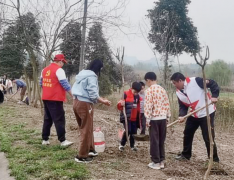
x=27, y=80
x=30, y=90
x=209, y=127
x=165, y=74
x=82, y=47
x=33, y=91
x=202, y=63
x=36, y=91
x=122, y=73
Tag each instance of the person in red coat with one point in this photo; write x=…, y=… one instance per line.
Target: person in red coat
x=54, y=87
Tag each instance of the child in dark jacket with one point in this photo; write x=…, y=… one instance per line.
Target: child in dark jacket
x=131, y=102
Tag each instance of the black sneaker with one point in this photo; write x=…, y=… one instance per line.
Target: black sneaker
x=93, y=153
x=180, y=157
x=83, y=160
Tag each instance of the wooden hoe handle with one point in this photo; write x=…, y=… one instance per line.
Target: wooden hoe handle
x=189, y=114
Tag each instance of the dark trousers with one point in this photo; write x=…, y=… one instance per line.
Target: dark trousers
x=132, y=129
x=157, y=133
x=54, y=113
x=1, y=96
x=143, y=123
x=10, y=91
x=191, y=126
x=4, y=91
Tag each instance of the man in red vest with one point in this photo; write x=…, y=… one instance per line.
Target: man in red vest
x=54, y=87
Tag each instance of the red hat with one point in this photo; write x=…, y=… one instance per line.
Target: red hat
x=60, y=57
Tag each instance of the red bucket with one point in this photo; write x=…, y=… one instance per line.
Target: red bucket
x=120, y=134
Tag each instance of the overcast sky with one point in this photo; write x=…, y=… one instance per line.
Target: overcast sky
x=214, y=20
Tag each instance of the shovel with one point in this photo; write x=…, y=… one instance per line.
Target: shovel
x=145, y=137
x=13, y=95
x=141, y=137
x=189, y=114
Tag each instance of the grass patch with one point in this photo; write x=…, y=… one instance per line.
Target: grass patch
x=28, y=159
x=229, y=95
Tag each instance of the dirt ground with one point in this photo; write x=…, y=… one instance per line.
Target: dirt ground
x=113, y=164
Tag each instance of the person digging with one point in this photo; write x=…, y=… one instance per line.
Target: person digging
x=22, y=87
x=131, y=103
x=143, y=119
x=190, y=93
x=1, y=92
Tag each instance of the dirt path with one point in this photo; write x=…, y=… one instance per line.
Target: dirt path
x=113, y=164
x=4, y=171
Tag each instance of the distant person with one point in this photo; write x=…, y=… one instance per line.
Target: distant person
x=1, y=93
x=190, y=93
x=85, y=92
x=143, y=119
x=2, y=86
x=22, y=87
x=157, y=113
x=9, y=86
x=4, y=82
x=54, y=87
x=131, y=103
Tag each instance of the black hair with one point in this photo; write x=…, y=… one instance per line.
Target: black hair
x=177, y=76
x=136, y=86
x=96, y=66
x=151, y=76
x=142, y=84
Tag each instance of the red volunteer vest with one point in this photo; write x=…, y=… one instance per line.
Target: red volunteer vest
x=129, y=103
x=195, y=97
x=51, y=88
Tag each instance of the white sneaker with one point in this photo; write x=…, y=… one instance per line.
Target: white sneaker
x=66, y=143
x=154, y=165
x=134, y=149
x=20, y=102
x=93, y=153
x=121, y=148
x=45, y=142
x=162, y=165
x=150, y=164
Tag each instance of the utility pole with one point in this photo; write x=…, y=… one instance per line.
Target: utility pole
x=82, y=48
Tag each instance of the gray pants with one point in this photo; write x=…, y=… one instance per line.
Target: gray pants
x=157, y=132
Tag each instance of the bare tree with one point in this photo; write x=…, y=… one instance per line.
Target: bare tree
x=120, y=57
x=144, y=29
x=165, y=46
x=53, y=16
x=202, y=63
x=164, y=40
